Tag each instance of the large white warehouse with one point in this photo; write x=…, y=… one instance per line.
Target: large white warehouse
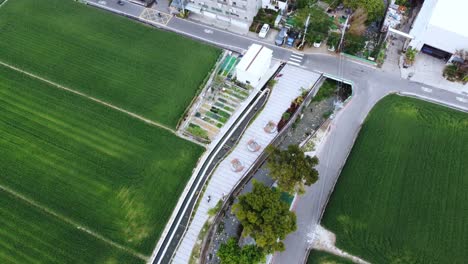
x=441, y=28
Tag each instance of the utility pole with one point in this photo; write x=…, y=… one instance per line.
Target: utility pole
x=305, y=30
x=343, y=32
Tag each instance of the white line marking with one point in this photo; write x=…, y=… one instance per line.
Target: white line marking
x=293, y=63
x=296, y=60
x=297, y=53
x=295, y=56
x=427, y=90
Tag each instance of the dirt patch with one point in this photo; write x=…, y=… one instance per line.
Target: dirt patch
x=325, y=241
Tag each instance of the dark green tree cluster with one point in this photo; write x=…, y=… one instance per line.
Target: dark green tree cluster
x=319, y=23
x=232, y=253
x=292, y=169
x=375, y=8
x=265, y=217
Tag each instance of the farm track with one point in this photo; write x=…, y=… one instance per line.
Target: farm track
x=4, y=2
x=151, y=122
x=71, y=222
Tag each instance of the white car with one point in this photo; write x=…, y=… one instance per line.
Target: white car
x=263, y=32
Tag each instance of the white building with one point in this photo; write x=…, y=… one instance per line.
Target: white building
x=276, y=5
x=254, y=65
x=441, y=28
x=239, y=13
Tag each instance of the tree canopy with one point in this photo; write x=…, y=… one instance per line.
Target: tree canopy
x=232, y=253
x=319, y=22
x=292, y=169
x=265, y=217
x=375, y=8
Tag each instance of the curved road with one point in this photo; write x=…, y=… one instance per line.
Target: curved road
x=370, y=85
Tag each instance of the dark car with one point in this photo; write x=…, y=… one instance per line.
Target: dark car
x=279, y=40
x=292, y=36
x=120, y=2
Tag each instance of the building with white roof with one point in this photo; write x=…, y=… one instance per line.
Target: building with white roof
x=254, y=64
x=440, y=29
x=238, y=13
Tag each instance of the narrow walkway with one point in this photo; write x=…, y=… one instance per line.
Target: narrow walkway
x=71, y=222
x=90, y=98
x=225, y=177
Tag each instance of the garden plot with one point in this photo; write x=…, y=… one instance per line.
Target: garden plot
x=220, y=101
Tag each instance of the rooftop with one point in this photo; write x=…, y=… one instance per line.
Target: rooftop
x=449, y=15
x=255, y=58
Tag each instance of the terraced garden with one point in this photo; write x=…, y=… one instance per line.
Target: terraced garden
x=219, y=102
x=401, y=197
x=152, y=73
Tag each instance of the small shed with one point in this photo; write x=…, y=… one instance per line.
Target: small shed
x=254, y=64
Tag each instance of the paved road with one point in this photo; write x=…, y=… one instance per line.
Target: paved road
x=370, y=85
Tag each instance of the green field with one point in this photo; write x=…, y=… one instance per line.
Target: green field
x=150, y=72
x=322, y=257
x=29, y=235
x=102, y=169
x=402, y=196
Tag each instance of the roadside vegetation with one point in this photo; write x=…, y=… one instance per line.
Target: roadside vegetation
x=401, y=197
x=328, y=89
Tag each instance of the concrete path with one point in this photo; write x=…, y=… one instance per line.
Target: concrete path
x=224, y=177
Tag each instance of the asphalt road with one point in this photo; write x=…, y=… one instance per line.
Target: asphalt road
x=370, y=85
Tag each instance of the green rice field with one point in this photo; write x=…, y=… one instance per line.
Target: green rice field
x=99, y=168
x=29, y=235
x=402, y=196
x=322, y=257
x=149, y=72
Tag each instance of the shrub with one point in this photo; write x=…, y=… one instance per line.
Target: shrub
x=197, y=131
x=353, y=44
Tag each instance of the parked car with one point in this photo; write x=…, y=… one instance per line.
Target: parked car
x=280, y=37
x=120, y=2
x=292, y=36
x=263, y=32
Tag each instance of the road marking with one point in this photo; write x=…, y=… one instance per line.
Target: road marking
x=296, y=60
x=295, y=56
x=461, y=99
x=208, y=31
x=294, y=63
x=427, y=90
x=297, y=53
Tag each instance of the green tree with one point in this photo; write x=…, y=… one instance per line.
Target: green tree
x=319, y=21
x=375, y=8
x=265, y=217
x=292, y=169
x=353, y=44
x=232, y=253
x=333, y=40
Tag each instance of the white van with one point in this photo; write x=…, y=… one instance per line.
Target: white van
x=263, y=32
